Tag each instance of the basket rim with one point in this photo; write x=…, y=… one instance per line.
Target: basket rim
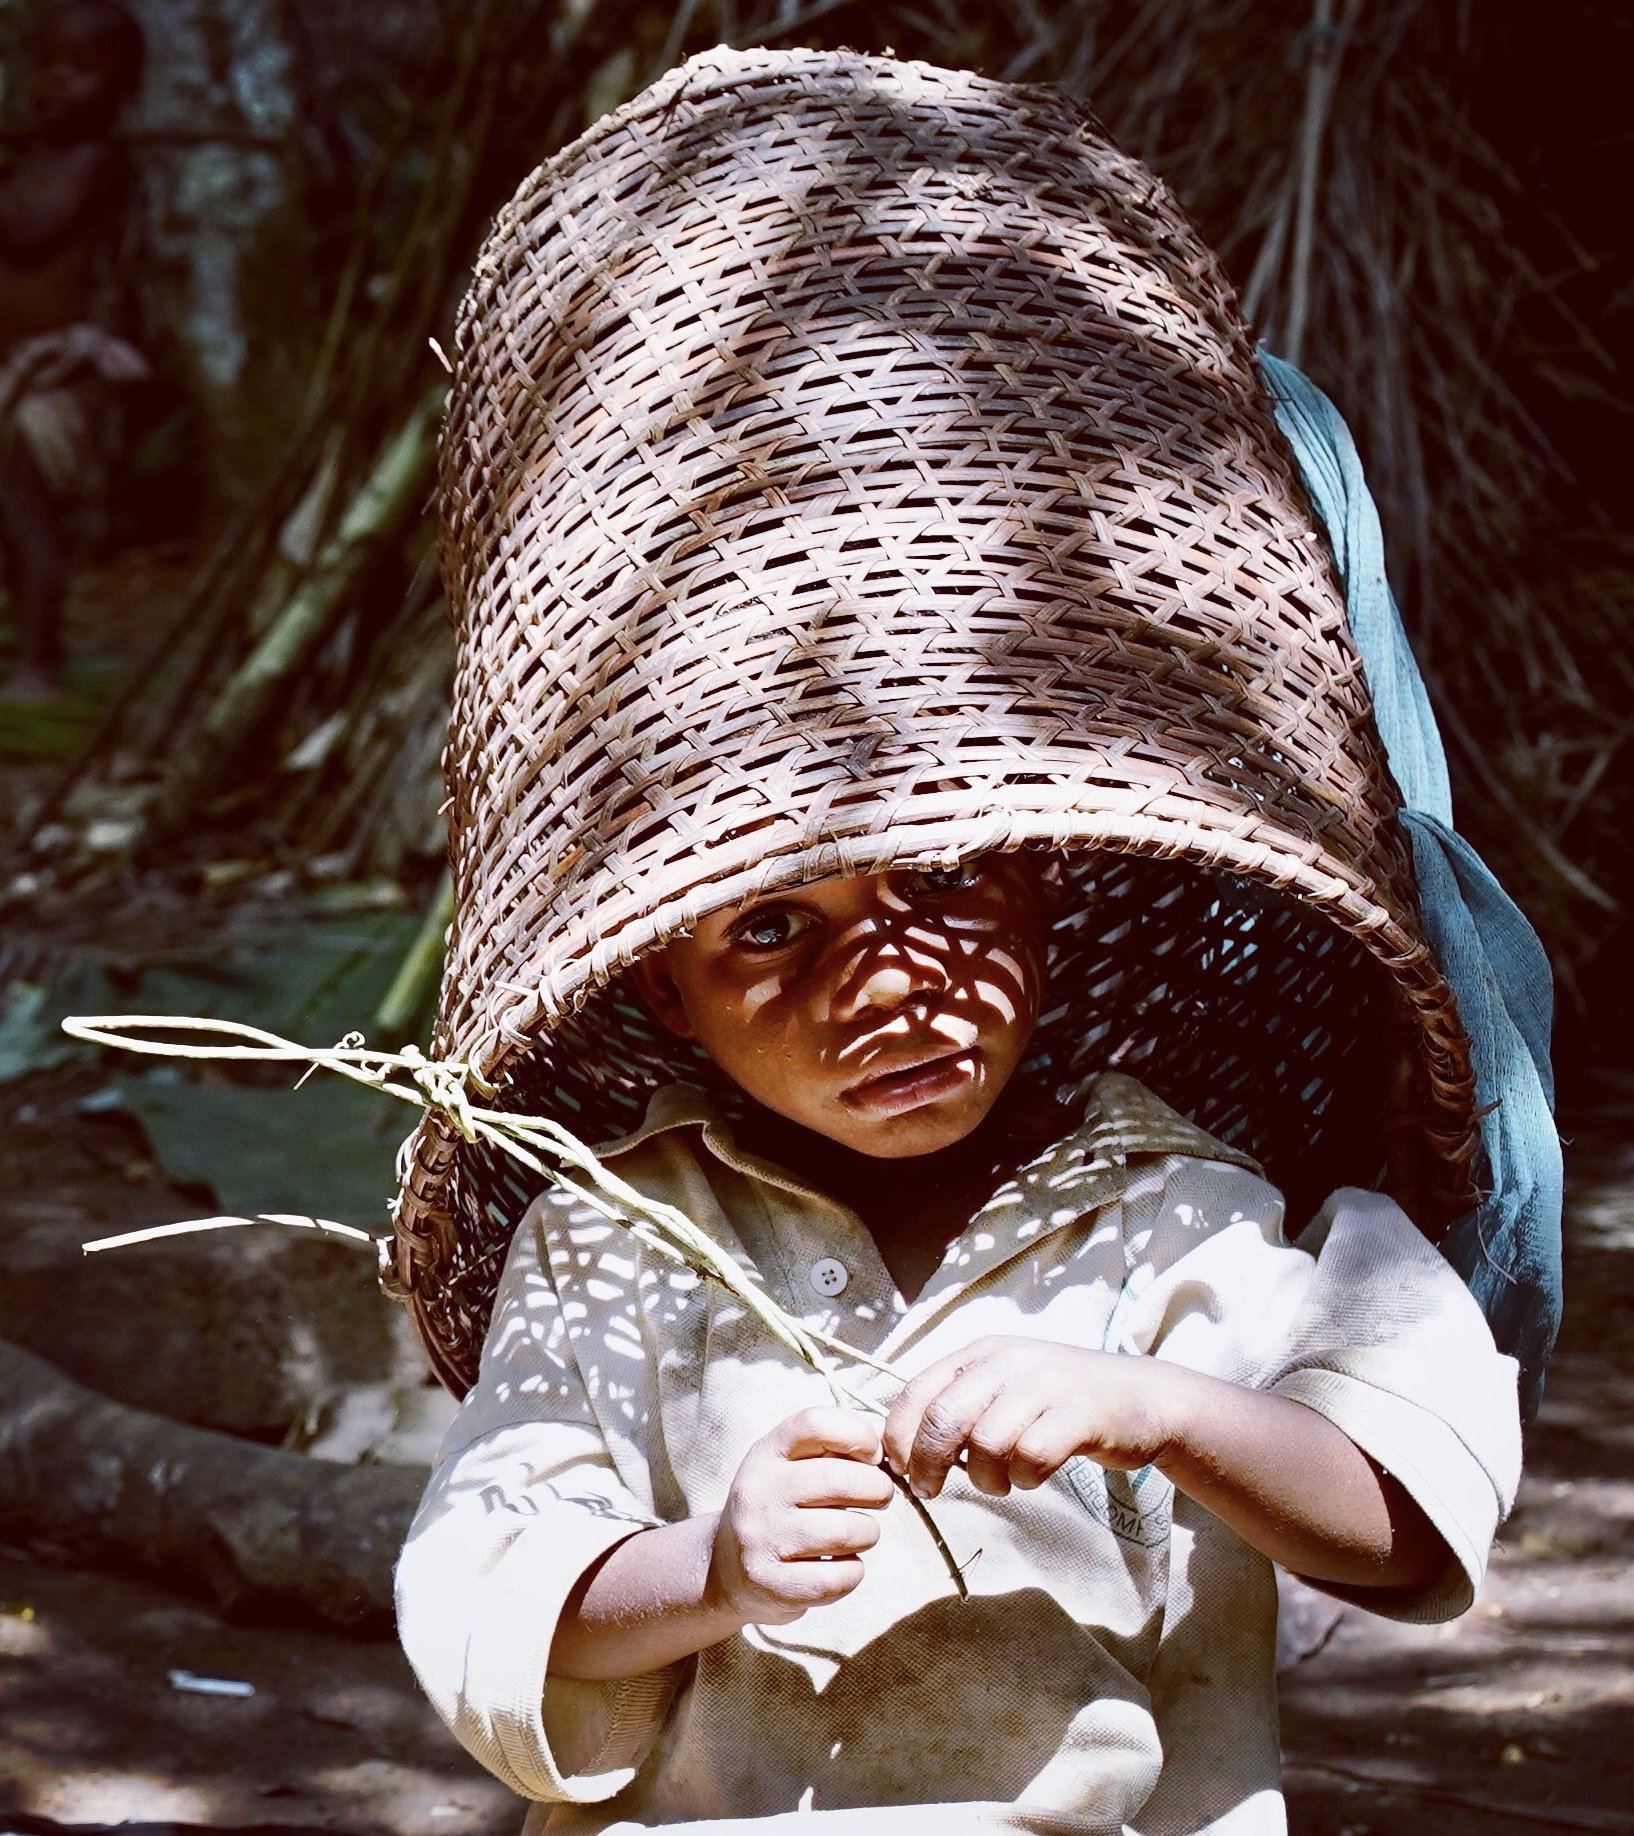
x=429, y=1151
x=1308, y=873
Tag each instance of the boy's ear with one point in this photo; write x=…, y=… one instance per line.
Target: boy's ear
x=655, y=983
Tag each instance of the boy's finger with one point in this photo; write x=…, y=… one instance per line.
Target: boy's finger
x=991, y=1450
x=809, y=1584
x=902, y=1423
x=812, y=1433
x=944, y=1428
x=818, y=1533
x=1041, y=1449
x=845, y=1484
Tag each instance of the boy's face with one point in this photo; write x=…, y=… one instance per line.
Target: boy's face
x=886, y=1012
x=78, y=75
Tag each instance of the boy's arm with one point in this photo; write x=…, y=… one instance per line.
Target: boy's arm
x=525, y=1499
x=1297, y=1488
x=1322, y=1398
x=1283, y=1477
x=47, y=201
x=790, y=1536
x=643, y=1606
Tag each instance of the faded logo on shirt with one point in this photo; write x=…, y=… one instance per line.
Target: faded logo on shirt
x=1137, y=1508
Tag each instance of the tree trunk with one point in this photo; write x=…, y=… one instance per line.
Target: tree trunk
x=254, y=1527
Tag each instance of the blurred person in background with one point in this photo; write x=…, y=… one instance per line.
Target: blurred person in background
x=64, y=197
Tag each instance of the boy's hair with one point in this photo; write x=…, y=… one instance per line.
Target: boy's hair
x=852, y=464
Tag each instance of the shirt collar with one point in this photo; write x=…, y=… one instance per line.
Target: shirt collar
x=1124, y=1125
x=670, y=1107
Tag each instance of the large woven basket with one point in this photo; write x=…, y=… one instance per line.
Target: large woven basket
x=852, y=463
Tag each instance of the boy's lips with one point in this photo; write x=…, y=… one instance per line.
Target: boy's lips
x=891, y=1092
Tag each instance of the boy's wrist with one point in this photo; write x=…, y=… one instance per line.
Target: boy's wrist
x=651, y=1601
x=1186, y=1403
x=714, y=1608
x=714, y=1595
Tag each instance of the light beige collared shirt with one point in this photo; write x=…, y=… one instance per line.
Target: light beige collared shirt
x=1113, y=1668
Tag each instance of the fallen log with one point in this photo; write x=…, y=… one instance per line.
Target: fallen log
x=257, y=1529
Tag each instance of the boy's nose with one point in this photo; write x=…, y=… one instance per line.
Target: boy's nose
x=886, y=972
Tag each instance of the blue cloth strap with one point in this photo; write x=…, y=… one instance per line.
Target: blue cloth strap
x=1508, y=1249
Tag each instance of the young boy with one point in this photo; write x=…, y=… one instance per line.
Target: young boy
x=869, y=550
x=60, y=202
x=896, y=1184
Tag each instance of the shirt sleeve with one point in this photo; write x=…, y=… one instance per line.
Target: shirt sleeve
x=1361, y=1320
x=523, y=1500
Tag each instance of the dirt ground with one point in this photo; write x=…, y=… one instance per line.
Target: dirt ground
x=1517, y=1717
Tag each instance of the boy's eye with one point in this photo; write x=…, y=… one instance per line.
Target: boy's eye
x=960, y=877
x=770, y=928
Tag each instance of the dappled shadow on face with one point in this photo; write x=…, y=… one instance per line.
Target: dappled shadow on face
x=884, y=1012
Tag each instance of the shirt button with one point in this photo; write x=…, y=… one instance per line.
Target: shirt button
x=829, y=1276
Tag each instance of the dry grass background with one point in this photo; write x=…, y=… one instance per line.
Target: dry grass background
x=1376, y=196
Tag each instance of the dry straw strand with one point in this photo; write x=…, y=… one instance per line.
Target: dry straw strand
x=442, y=1086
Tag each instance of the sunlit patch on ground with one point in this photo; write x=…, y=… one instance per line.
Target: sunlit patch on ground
x=336, y=1736
x=125, y=1797
x=1515, y=1717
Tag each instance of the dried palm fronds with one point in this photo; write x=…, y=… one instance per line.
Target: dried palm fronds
x=1385, y=245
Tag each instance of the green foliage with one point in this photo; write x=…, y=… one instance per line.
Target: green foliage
x=58, y=728
x=323, y=978
x=30, y=1037
x=326, y=1149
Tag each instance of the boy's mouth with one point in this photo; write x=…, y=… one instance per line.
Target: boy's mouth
x=906, y=1088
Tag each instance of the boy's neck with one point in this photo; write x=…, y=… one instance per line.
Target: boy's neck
x=914, y=1207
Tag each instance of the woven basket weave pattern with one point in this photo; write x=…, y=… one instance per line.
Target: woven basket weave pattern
x=851, y=463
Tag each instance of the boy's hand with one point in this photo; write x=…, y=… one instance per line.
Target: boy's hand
x=1018, y=1409
x=797, y=1498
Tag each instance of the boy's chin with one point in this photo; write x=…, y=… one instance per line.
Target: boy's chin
x=913, y=1134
